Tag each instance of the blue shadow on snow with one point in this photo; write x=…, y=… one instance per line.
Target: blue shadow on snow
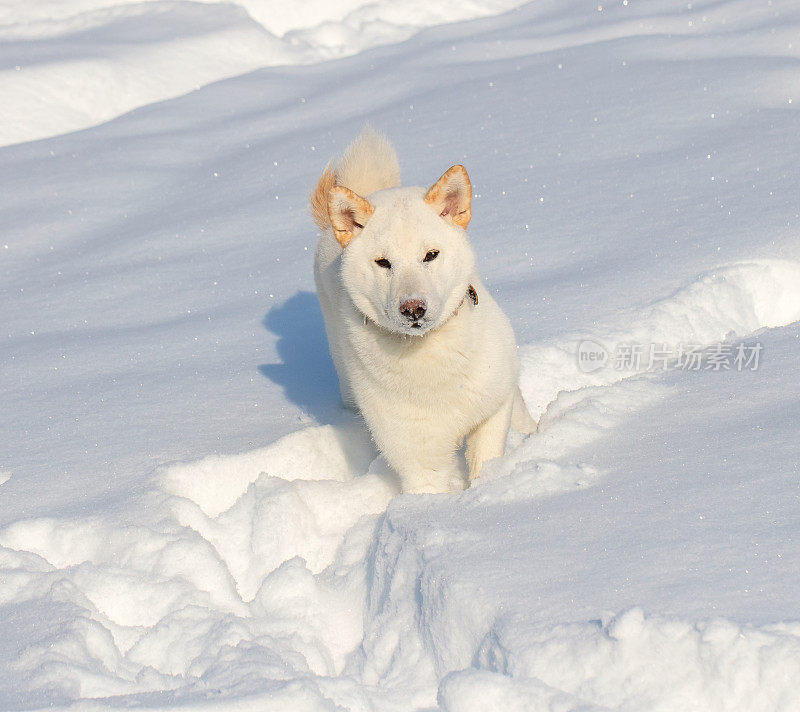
x=306, y=373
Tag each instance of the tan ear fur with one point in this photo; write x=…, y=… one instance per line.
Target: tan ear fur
x=451, y=196
x=319, y=198
x=348, y=213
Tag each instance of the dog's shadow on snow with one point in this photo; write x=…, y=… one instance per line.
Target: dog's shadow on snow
x=305, y=373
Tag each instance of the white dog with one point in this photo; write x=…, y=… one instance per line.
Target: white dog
x=421, y=348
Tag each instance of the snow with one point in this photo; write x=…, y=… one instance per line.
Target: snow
x=194, y=521
x=69, y=65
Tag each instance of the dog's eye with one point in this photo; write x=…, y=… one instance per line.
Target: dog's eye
x=383, y=262
x=432, y=255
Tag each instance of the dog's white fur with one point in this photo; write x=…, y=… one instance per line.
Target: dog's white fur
x=423, y=385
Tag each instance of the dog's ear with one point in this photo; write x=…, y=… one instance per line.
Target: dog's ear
x=348, y=212
x=451, y=196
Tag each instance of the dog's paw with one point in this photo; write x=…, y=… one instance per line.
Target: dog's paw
x=422, y=489
x=438, y=483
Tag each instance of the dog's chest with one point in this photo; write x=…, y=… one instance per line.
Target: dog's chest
x=438, y=369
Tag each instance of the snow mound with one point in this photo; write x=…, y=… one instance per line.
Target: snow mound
x=229, y=567
x=631, y=660
x=729, y=302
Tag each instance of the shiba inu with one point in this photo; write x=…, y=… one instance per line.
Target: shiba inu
x=420, y=346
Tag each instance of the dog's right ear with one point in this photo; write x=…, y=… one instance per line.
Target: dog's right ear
x=348, y=212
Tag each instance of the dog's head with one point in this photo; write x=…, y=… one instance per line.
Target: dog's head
x=407, y=262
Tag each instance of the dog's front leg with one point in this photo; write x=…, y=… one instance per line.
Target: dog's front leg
x=488, y=440
x=425, y=461
x=425, y=467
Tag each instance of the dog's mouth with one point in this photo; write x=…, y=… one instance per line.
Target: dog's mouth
x=417, y=327
x=420, y=327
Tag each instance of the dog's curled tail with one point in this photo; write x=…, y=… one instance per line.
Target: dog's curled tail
x=368, y=164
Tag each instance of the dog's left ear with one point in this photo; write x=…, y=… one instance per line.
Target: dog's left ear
x=451, y=196
x=348, y=212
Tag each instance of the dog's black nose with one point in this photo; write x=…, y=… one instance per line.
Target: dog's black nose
x=413, y=309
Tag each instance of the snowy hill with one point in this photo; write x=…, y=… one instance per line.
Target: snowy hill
x=188, y=518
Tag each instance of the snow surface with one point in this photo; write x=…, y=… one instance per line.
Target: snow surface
x=193, y=521
x=69, y=65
